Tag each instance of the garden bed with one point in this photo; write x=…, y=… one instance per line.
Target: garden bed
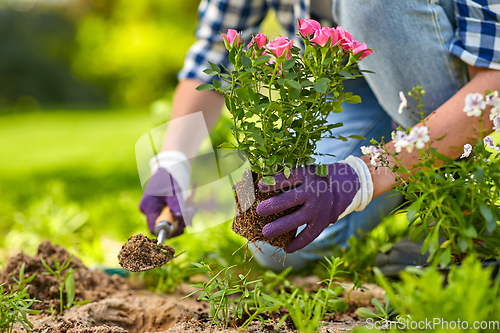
x=118, y=306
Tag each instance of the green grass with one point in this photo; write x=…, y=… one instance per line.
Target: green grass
x=80, y=159
x=71, y=176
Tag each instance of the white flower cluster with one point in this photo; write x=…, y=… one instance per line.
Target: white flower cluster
x=417, y=138
x=374, y=152
x=488, y=142
x=476, y=103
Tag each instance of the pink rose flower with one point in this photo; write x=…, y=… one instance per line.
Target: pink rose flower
x=231, y=39
x=334, y=34
x=308, y=27
x=361, y=47
x=280, y=47
x=321, y=37
x=345, y=39
x=260, y=40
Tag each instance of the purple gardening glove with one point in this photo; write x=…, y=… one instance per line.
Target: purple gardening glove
x=323, y=200
x=160, y=192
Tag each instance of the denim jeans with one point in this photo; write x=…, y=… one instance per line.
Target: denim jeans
x=409, y=40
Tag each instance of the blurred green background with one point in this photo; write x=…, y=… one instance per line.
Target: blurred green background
x=80, y=82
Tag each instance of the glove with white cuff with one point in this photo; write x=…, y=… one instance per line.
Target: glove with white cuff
x=168, y=186
x=347, y=188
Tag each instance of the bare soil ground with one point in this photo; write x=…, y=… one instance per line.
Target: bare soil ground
x=118, y=307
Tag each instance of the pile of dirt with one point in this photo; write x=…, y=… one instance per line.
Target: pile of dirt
x=247, y=222
x=141, y=253
x=90, y=285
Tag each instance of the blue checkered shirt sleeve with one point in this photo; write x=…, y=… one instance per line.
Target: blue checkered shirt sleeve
x=477, y=38
x=217, y=16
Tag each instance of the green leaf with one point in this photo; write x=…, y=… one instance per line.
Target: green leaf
x=445, y=257
x=271, y=160
x=268, y=180
x=47, y=266
x=321, y=170
x=232, y=56
x=205, y=86
x=288, y=64
x=246, y=61
x=256, y=136
x=470, y=231
x=324, y=80
x=275, y=106
x=293, y=84
x=286, y=172
x=320, y=87
x=479, y=175
x=217, y=83
x=210, y=72
x=70, y=287
x=354, y=99
x=462, y=244
x=346, y=75
x=366, y=313
x=489, y=216
x=444, y=158
x=359, y=137
x=214, y=67
x=376, y=303
x=414, y=209
x=262, y=59
x=242, y=94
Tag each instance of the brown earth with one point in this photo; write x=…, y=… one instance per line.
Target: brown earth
x=247, y=222
x=118, y=307
x=141, y=253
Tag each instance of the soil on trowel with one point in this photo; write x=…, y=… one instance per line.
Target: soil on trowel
x=90, y=285
x=247, y=222
x=74, y=326
x=141, y=253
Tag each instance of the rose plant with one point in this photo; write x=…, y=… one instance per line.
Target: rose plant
x=280, y=100
x=457, y=200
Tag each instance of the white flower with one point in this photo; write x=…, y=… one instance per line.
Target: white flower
x=419, y=136
x=401, y=140
x=493, y=101
x=496, y=122
x=488, y=142
x=467, y=150
x=374, y=152
x=474, y=104
x=404, y=102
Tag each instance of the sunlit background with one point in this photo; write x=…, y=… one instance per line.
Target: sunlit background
x=80, y=82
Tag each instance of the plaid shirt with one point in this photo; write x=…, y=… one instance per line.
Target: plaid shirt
x=477, y=40
x=217, y=16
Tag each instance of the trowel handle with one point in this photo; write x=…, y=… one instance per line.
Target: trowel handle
x=166, y=225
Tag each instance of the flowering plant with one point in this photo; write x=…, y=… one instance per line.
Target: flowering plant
x=280, y=99
x=457, y=200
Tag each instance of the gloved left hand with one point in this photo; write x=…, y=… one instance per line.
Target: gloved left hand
x=324, y=200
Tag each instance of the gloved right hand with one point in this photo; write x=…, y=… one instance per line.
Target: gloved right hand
x=163, y=189
x=152, y=202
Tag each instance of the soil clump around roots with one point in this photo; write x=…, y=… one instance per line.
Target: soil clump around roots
x=247, y=222
x=141, y=253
